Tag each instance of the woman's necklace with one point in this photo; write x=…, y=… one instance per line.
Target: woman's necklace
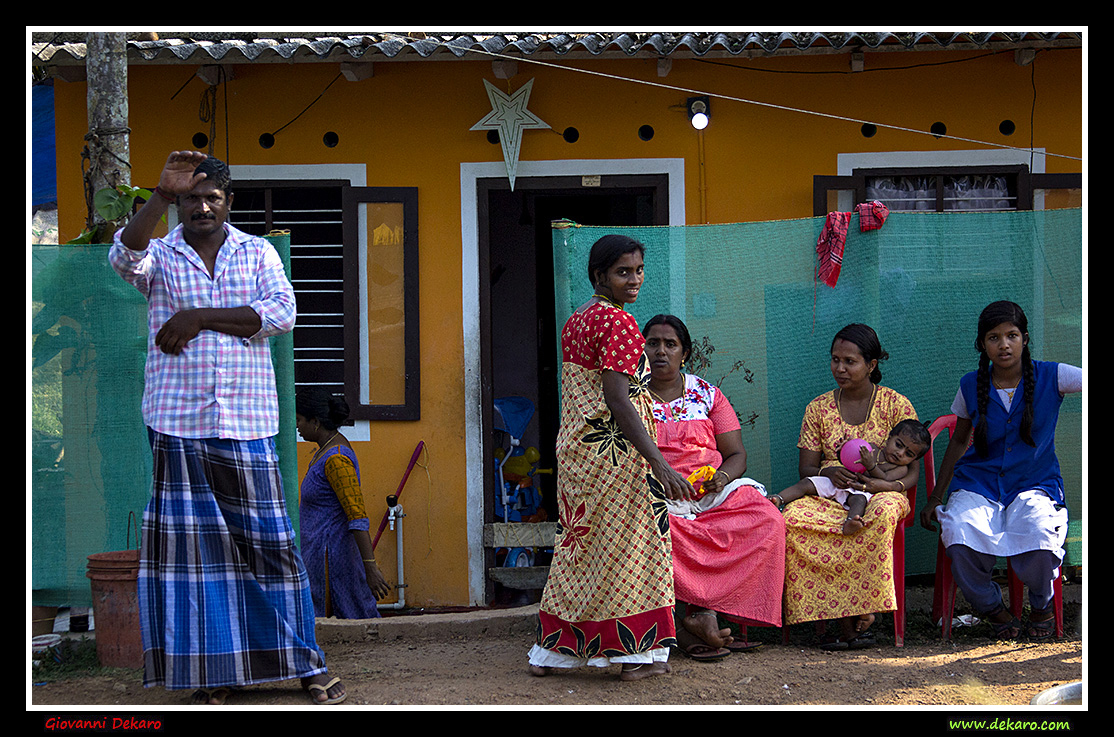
x=323, y=447
x=655, y=395
x=1007, y=389
x=870, y=406
x=609, y=300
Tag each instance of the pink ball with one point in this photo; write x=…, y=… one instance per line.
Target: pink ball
x=849, y=455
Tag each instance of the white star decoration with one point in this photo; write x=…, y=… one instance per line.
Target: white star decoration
x=510, y=117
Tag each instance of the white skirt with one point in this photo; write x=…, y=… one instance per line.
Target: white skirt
x=552, y=659
x=1030, y=522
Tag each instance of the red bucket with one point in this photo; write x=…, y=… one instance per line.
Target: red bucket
x=113, y=578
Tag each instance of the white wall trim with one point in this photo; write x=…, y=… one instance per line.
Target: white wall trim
x=470, y=173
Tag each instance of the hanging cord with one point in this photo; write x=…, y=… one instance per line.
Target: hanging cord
x=693, y=92
x=307, y=107
x=207, y=112
x=429, y=498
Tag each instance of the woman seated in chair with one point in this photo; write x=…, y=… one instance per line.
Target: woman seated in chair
x=830, y=575
x=1006, y=493
x=729, y=544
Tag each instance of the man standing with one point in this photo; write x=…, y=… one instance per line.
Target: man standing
x=223, y=595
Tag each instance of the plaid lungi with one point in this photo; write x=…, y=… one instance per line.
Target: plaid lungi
x=224, y=598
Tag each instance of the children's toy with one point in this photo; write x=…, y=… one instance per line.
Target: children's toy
x=515, y=495
x=699, y=476
x=849, y=455
x=517, y=499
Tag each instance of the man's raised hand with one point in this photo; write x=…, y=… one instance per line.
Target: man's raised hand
x=177, y=176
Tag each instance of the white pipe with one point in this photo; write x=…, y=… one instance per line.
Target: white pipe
x=396, y=513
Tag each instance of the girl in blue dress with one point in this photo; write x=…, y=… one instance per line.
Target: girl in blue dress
x=1005, y=492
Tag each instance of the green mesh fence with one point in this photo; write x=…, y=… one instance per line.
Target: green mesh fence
x=920, y=281
x=90, y=461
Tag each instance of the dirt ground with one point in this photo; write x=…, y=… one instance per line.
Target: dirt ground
x=492, y=672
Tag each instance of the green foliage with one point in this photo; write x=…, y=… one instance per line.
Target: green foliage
x=700, y=363
x=114, y=205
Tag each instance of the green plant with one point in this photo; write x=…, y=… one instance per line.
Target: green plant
x=114, y=204
x=700, y=363
x=75, y=659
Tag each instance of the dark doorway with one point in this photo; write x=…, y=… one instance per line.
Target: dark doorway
x=519, y=334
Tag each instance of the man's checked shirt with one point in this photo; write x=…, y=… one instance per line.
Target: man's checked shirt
x=219, y=385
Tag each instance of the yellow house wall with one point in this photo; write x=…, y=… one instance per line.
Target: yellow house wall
x=409, y=124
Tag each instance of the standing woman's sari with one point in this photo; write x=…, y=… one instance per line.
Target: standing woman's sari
x=609, y=596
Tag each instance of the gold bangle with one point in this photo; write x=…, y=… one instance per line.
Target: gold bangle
x=902, y=484
x=366, y=560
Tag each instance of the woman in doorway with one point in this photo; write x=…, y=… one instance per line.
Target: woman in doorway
x=609, y=595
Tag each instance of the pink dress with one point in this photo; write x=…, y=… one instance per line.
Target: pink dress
x=730, y=558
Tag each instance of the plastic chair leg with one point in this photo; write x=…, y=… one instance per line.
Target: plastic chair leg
x=944, y=591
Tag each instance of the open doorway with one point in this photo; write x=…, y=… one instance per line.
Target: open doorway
x=518, y=331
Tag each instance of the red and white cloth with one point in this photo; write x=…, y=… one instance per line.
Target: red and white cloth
x=833, y=237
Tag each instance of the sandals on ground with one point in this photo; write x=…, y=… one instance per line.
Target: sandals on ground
x=1044, y=629
x=860, y=641
x=313, y=688
x=705, y=653
x=209, y=695
x=1010, y=630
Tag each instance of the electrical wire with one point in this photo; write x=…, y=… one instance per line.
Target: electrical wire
x=307, y=107
x=695, y=92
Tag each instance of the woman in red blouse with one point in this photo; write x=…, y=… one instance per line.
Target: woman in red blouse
x=609, y=595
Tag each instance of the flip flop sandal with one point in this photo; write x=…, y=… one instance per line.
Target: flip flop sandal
x=737, y=646
x=1010, y=630
x=207, y=695
x=1043, y=630
x=862, y=641
x=705, y=653
x=834, y=645
x=637, y=673
x=313, y=688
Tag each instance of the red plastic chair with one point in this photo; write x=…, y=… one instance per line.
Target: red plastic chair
x=944, y=587
x=899, y=575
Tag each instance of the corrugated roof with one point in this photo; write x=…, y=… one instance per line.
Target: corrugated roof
x=68, y=48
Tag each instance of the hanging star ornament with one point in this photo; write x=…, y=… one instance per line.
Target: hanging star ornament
x=510, y=117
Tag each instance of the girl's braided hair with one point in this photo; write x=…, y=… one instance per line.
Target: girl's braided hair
x=994, y=315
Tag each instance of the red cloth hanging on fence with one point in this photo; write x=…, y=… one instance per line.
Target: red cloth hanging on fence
x=833, y=237
x=871, y=215
x=829, y=247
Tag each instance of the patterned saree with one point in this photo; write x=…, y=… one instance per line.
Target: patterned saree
x=609, y=595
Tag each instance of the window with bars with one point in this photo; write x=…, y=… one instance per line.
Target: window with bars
x=941, y=189
x=354, y=269
x=314, y=216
